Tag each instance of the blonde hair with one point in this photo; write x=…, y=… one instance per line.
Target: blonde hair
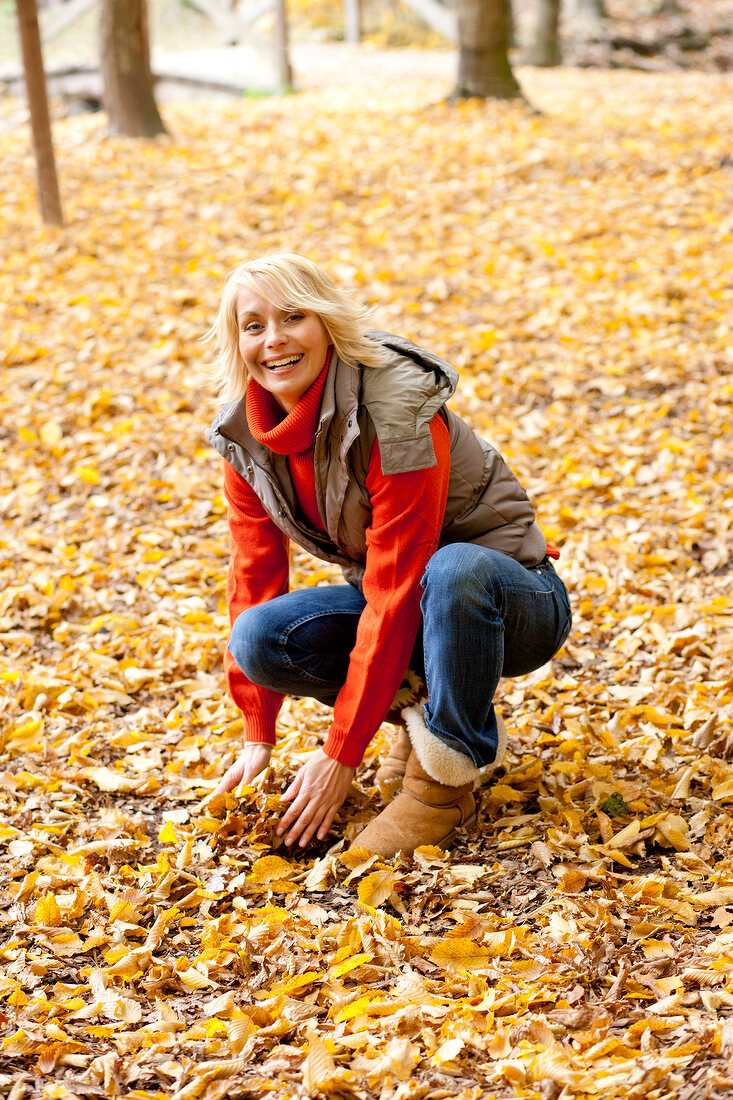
x=290, y=282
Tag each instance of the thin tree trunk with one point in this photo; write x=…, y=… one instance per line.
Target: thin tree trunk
x=544, y=50
x=35, y=82
x=282, y=56
x=352, y=20
x=483, y=42
x=126, y=74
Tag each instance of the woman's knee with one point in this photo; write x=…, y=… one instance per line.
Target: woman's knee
x=463, y=568
x=251, y=642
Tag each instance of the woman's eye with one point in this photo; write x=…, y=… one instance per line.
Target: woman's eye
x=295, y=316
x=251, y=327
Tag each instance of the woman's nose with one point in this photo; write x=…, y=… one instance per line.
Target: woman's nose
x=274, y=335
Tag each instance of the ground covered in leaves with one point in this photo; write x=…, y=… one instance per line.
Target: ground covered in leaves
x=577, y=266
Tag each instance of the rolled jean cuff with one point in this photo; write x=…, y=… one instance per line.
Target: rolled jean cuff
x=452, y=742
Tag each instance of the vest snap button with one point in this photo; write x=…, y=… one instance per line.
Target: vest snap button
x=250, y=470
x=349, y=424
x=230, y=446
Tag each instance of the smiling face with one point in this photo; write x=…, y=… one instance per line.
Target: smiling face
x=284, y=350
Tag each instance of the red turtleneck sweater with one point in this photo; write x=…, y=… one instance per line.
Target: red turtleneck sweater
x=407, y=516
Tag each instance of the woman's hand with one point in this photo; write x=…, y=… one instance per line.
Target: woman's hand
x=317, y=792
x=253, y=759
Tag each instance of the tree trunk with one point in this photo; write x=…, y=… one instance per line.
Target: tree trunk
x=544, y=50
x=282, y=53
x=483, y=43
x=352, y=21
x=35, y=82
x=126, y=74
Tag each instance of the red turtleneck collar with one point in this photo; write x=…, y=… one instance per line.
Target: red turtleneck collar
x=288, y=434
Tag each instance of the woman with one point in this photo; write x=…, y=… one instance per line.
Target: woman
x=340, y=440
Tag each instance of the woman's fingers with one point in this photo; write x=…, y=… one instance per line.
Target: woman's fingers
x=230, y=778
x=316, y=794
x=310, y=832
x=327, y=822
x=293, y=789
x=253, y=759
x=308, y=815
x=297, y=816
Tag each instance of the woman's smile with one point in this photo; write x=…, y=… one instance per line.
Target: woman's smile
x=279, y=366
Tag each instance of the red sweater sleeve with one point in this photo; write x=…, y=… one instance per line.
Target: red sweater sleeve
x=407, y=517
x=258, y=571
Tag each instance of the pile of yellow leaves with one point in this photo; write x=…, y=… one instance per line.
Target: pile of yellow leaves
x=577, y=266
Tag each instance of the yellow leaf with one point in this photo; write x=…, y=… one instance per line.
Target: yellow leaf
x=167, y=834
x=627, y=833
x=130, y=965
x=108, y=780
x=724, y=791
x=88, y=474
x=656, y=949
x=223, y=1005
x=270, y=868
x=319, y=1068
x=292, y=985
x=428, y=853
x=25, y=735
x=214, y=1026
x=355, y=1008
x=356, y=857
x=498, y=943
x=123, y=910
x=377, y=887
x=486, y=339
x=460, y=954
x=194, y=979
x=448, y=1051
x=239, y=1029
x=346, y=967
x=723, y=895
x=506, y=793
x=618, y=857
x=47, y=911
x=674, y=830
x=51, y=434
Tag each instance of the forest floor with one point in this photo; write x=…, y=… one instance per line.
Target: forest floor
x=575, y=263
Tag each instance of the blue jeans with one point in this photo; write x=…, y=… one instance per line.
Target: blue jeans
x=484, y=616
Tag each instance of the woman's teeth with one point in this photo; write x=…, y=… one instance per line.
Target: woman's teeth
x=283, y=364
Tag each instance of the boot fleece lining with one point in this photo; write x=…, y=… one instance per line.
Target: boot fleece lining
x=444, y=764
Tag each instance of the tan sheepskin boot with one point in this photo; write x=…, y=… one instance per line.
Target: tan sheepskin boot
x=424, y=812
x=391, y=771
x=436, y=797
